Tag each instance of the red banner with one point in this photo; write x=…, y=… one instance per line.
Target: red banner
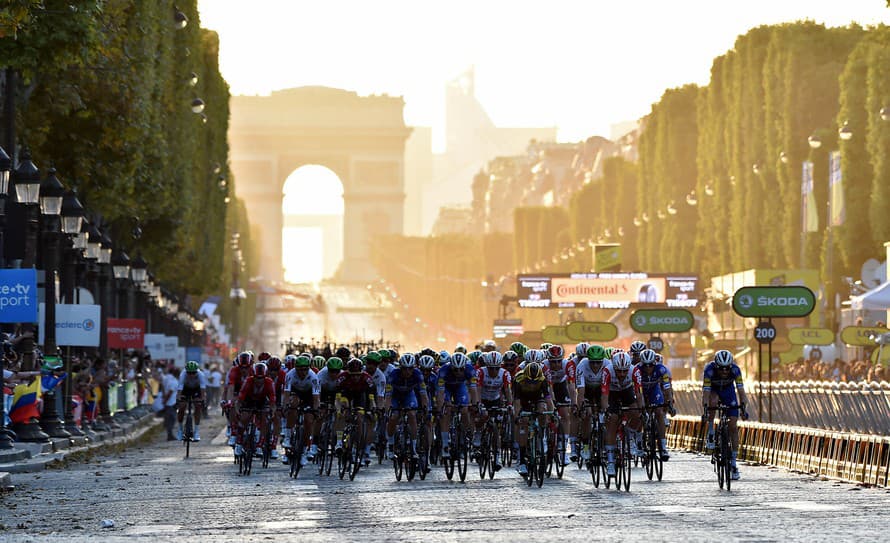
x=126, y=333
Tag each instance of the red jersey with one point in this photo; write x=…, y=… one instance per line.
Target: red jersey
x=278, y=380
x=355, y=384
x=237, y=376
x=267, y=392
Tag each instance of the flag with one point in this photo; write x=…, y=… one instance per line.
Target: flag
x=24, y=402
x=836, y=189
x=809, y=213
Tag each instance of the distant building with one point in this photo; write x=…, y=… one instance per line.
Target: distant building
x=453, y=220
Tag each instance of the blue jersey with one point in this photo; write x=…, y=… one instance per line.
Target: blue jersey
x=431, y=381
x=451, y=380
x=659, y=378
x=717, y=379
x=399, y=385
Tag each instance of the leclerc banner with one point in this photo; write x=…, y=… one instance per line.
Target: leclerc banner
x=18, y=295
x=126, y=333
x=77, y=325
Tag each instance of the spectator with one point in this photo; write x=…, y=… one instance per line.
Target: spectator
x=214, y=382
x=169, y=386
x=838, y=371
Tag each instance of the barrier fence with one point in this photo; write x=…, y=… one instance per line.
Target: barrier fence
x=853, y=457
x=842, y=407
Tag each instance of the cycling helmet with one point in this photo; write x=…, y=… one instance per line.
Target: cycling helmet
x=264, y=356
x=534, y=355
x=621, y=361
x=289, y=361
x=459, y=348
x=596, y=353
x=555, y=352
x=534, y=372
x=518, y=348
x=318, y=362
x=489, y=345
x=354, y=365
x=407, y=360
x=251, y=355
x=302, y=361
x=723, y=358
x=335, y=363
x=494, y=359
x=659, y=359
x=274, y=363
x=637, y=347
x=427, y=362
x=444, y=358
x=191, y=367
x=260, y=370
x=393, y=355
x=581, y=350
x=427, y=352
x=474, y=357
x=343, y=352
x=244, y=359
x=510, y=357
x=609, y=352
x=545, y=346
x=459, y=361
x=375, y=357
x=648, y=357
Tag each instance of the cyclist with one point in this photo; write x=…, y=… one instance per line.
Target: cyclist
x=475, y=359
x=511, y=363
x=723, y=383
x=561, y=375
x=489, y=346
x=304, y=390
x=456, y=387
x=372, y=362
x=235, y=381
x=403, y=389
x=431, y=379
x=278, y=376
x=656, y=391
x=496, y=391
x=192, y=384
x=589, y=379
x=636, y=348
x=317, y=363
x=518, y=348
x=459, y=348
x=355, y=389
x=258, y=393
x=625, y=390
x=531, y=392
x=387, y=361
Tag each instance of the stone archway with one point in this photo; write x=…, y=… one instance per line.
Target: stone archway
x=359, y=138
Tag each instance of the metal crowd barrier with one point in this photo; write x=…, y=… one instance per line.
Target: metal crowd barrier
x=852, y=457
x=841, y=407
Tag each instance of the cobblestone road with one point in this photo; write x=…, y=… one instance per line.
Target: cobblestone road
x=153, y=494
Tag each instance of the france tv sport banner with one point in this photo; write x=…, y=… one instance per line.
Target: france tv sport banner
x=126, y=333
x=77, y=325
x=18, y=295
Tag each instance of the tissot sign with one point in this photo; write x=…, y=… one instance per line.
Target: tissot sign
x=607, y=290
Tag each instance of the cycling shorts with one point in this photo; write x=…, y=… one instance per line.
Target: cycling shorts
x=621, y=398
x=727, y=396
x=459, y=396
x=189, y=392
x=304, y=396
x=593, y=395
x=251, y=403
x=654, y=396
x=405, y=401
x=561, y=393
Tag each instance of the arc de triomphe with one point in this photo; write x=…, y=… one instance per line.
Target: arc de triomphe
x=360, y=138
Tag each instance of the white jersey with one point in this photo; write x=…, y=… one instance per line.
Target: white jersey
x=586, y=377
x=565, y=371
x=379, y=379
x=326, y=382
x=196, y=380
x=632, y=379
x=493, y=387
x=292, y=383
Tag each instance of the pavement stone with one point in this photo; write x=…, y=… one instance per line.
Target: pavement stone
x=153, y=494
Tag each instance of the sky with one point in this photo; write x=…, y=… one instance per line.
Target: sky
x=579, y=65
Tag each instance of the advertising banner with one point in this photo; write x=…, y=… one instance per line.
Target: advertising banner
x=18, y=295
x=507, y=327
x=862, y=335
x=126, y=333
x=651, y=321
x=607, y=290
x=171, y=344
x=77, y=325
x=811, y=336
x=809, y=214
x=592, y=331
x=786, y=301
x=555, y=335
x=179, y=357
x=155, y=345
x=194, y=353
x=607, y=257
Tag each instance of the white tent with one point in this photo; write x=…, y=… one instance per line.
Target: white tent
x=876, y=299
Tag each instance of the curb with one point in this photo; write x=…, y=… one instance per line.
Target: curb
x=127, y=434
x=6, y=481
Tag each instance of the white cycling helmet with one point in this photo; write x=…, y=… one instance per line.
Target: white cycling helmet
x=459, y=361
x=648, y=357
x=494, y=359
x=534, y=355
x=427, y=362
x=581, y=350
x=621, y=361
x=637, y=347
x=723, y=358
x=407, y=360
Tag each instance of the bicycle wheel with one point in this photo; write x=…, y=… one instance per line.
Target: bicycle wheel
x=343, y=457
x=423, y=451
x=627, y=465
x=451, y=460
x=483, y=454
x=463, y=455
x=493, y=452
x=321, y=456
x=532, y=458
x=410, y=462
x=550, y=442
x=357, y=445
x=249, y=449
x=650, y=452
x=380, y=441
x=188, y=431
x=436, y=444
x=296, y=447
x=560, y=451
x=541, y=470
x=397, y=454
x=507, y=441
x=726, y=452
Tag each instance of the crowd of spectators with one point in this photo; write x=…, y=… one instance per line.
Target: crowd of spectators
x=854, y=371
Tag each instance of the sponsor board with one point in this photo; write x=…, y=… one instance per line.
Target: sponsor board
x=607, y=290
x=18, y=295
x=861, y=335
x=592, y=331
x=648, y=321
x=774, y=301
x=77, y=325
x=555, y=334
x=810, y=336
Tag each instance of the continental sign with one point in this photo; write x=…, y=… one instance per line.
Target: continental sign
x=648, y=321
x=573, y=291
x=592, y=331
x=861, y=335
x=810, y=336
x=606, y=290
x=785, y=301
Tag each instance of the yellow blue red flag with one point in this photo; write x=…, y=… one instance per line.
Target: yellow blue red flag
x=24, y=402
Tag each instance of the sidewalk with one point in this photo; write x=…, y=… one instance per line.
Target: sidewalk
x=33, y=457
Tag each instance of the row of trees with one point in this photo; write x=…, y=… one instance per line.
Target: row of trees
x=107, y=91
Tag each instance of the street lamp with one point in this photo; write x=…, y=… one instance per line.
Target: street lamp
x=845, y=132
x=885, y=113
x=783, y=157
x=814, y=141
x=72, y=213
x=193, y=79
x=180, y=21
x=5, y=167
x=120, y=266
x=197, y=105
x=691, y=198
x=139, y=269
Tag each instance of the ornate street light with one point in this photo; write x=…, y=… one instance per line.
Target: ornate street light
x=197, y=105
x=691, y=198
x=756, y=168
x=193, y=79
x=51, y=194
x=637, y=221
x=709, y=190
x=814, y=141
x=783, y=157
x=120, y=264
x=845, y=132
x=93, y=241
x=5, y=168
x=180, y=21
x=139, y=269
x=72, y=213
x=885, y=113
x=27, y=181
x=671, y=208
x=645, y=217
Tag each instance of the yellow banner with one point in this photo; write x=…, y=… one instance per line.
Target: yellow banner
x=555, y=335
x=811, y=336
x=861, y=335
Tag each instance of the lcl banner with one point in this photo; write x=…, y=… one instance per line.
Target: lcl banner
x=126, y=333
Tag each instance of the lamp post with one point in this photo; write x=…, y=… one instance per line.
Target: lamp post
x=27, y=192
x=51, y=195
x=72, y=224
x=120, y=264
x=5, y=167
